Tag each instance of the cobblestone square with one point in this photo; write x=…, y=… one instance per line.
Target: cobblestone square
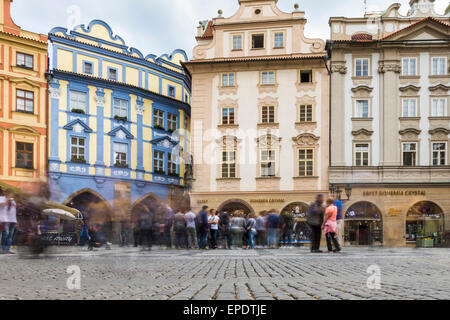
x=285, y=274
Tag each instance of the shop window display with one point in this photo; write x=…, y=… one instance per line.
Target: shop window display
x=425, y=222
x=363, y=225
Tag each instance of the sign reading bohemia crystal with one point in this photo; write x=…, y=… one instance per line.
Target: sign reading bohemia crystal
x=385, y=193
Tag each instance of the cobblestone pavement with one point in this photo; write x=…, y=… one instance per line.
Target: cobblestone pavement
x=283, y=274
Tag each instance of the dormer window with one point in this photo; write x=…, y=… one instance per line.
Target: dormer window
x=24, y=60
x=258, y=41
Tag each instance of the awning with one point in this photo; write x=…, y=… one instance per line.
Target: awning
x=59, y=213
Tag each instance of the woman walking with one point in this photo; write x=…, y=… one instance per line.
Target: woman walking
x=330, y=226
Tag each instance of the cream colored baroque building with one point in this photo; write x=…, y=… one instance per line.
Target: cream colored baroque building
x=390, y=123
x=259, y=111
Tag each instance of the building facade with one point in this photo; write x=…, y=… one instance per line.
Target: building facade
x=390, y=124
x=259, y=111
x=118, y=123
x=23, y=98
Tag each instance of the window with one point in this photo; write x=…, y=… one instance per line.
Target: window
x=258, y=41
x=158, y=162
x=409, y=66
x=120, y=108
x=439, y=154
x=158, y=119
x=362, y=109
x=228, y=79
x=409, y=108
x=306, y=113
x=306, y=162
x=268, y=114
x=268, y=77
x=278, y=40
x=172, y=164
x=409, y=154
x=172, y=91
x=25, y=101
x=438, y=107
x=120, y=154
x=112, y=74
x=24, y=60
x=24, y=155
x=78, y=149
x=237, y=42
x=172, y=122
x=362, y=155
x=268, y=163
x=228, y=115
x=88, y=68
x=305, y=76
x=228, y=164
x=362, y=67
x=78, y=101
x=438, y=66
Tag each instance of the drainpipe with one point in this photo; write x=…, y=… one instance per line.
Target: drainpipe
x=328, y=59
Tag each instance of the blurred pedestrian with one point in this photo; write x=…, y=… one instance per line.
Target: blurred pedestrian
x=167, y=225
x=203, y=228
x=237, y=226
x=224, y=230
x=330, y=226
x=145, y=229
x=314, y=218
x=261, y=232
x=339, y=221
x=191, y=231
x=250, y=228
x=179, y=227
x=213, y=221
x=273, y=225
x=287, y=228
x=124, y=233
x=9, y=224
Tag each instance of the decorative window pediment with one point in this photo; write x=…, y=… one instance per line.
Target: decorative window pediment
x=410, y=134
x=440, y=88
x=362, y=88
x=165, y=142
x=78, y=126
x=121, y=132
x=409, y=87
x=362, y=132
x=439, y=134
x=306, y=139
x=268, y=141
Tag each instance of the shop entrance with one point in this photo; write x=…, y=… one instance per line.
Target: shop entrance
x=363, y=225
x=425, y=221
x=231, y=206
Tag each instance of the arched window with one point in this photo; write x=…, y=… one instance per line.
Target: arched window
x=363, y=225
x=425, y=220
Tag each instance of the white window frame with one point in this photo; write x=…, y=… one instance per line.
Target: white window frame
x=439, y=66
x=361, y=153
x=228, y=162
x=269, y=116
x=306, y=113
x=360, y=72
x=439, y=155
x=407, y=66
x=267, y=78
x=158, y=161
x=80, y=149
x=439, y=107
x=78, y=100
x=415, y=151
x=236, y=42
x=409, y=105
x=226, y=118
x=270, y=158
x=172, y=122
x=25, y=60
x=120, y=155
x=276, y=42
x=359, y=109
x=228, y=79
x=158, y=118
x=172, y=166
x=27, y=98
x=120, y=107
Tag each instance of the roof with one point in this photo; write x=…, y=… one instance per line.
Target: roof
x=260, y=58
x=26, y=38
x=208, y=33
x=414, y=24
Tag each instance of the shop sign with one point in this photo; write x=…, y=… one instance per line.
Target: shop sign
x=202, y=201
x=386, y=193
x=394, y=212
x=267, y=201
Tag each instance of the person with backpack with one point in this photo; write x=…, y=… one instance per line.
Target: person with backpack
x=314, y=218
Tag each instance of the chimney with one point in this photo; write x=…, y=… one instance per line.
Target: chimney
x=5, y=15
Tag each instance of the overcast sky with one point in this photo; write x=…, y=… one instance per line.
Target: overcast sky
x=160, y=26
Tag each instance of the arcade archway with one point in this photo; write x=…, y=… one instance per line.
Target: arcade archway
x=363, y=225
x=236, y=205
x=425, y=220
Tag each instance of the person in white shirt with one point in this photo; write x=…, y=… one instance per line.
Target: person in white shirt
x=190, y=229
x=213, y=221
x=7, y=212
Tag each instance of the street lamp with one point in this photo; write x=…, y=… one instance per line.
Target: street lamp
x=348, y=191
x=338, y=193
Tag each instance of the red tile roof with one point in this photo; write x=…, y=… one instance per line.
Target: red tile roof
x=208, y=33
x=362, y=37
x=261, y=58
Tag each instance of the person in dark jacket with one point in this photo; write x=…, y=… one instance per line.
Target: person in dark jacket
x=145, y=230
x=314, y=219
x=179, y=227
x=224, y=230
x=273, y=225
x=203, y=227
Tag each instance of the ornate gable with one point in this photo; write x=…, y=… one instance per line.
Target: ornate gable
x=78, y=126
x=121, y=132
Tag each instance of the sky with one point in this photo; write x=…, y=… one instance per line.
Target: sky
x=161, y=26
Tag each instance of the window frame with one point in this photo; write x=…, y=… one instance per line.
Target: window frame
x=79, y=147
x=170, y=89
x=172, y=165
x=306, y=161
x=357, y=104
x=283, y=39
x=28, y=156
x=309, y=108
x=123, y=109
x=311, y=73
x=76, y=92
x=241, y=47
x=227, y=117
x=172, y=122
x=270, y=108
x=85, y=63
x=116, y=153
x=415, y=151
x=252, y=40
x=24, y=99
x=227, y=76
x=445, y=59
x=229, y=163
x=416, y=69
x=440, y=153
x=109, y=74
x=157, y=161
x=267, y=161
x=159, y=117
x=268, y=72
x=409, y=99
x=362, y=75
x=356, y=152
x=445, y=107
x=25, y=56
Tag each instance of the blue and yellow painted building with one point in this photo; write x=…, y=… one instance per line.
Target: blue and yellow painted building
x=118, y=120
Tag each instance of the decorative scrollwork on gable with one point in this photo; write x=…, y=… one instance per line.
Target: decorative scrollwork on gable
x=268, y=141
x=306, y=139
